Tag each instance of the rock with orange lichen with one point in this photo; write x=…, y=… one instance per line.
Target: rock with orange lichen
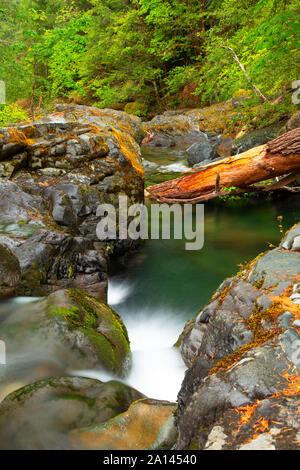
x=219, y=118
x=269, y=424
x=54, y=174
x=147, y=424
x=243, y=347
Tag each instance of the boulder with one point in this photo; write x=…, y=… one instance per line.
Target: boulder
x=291, y=241
x=69, y=330
x=9, y=272
x=63, y=166
x=243, y=347
x=161, y=141
x=292, y=123
x=147, y=424
x=269, y=424
x=202, y=151
x=254, y=139
x=219, y=118
x=39, y=416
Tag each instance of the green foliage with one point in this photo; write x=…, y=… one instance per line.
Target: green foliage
x=11, y=114
x=233, y=197
x=150, y=52
x=71, y=313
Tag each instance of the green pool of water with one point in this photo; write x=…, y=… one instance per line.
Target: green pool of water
x=163, y=275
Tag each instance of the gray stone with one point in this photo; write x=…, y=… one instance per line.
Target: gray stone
x=201, y=151
x=274, y=266
x=10, y=272
x=161, y=141
x=40, y=415
x=292, y=239
x=66, y=166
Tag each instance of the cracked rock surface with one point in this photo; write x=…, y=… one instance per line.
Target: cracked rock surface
x=243, y=354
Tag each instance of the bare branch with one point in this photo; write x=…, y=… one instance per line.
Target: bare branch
x=257, y=91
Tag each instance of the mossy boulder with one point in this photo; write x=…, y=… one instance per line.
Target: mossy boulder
x=39, y=415
x=9, y=272
x=270, y=424
x=94, y=321
x=147, y=424
x=292, y=123
x=254, y=139
x=68, y=331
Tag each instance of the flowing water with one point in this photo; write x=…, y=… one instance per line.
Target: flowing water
x=162, y=286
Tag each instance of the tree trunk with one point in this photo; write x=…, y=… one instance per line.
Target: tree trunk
x=257, y=91
x=237, y=174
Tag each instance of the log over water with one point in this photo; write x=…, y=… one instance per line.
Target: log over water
x=278, y=158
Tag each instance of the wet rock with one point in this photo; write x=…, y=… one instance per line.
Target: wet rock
x=220, y=328
x=39, y=416
x=275, y=266
x=257, y=375
x=147, y=424
x=18, y=206
x=292, y=239
x=240, y=97
x=9, y=272
x=254, y=139
x=241, y=348
x=270, y=424
x=224, y=147
x=68, y=330
x=217, y=119
x=149, y=167
x=292, y=123
x=64, y=165
x=161, y=141
x=202, y=151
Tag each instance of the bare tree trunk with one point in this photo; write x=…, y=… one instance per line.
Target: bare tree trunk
x=33, y=90
x=257, y=91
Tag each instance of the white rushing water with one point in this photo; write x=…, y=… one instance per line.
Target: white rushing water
x=176, y=167
x=157, y=368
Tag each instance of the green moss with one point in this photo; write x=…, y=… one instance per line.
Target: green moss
x=194, y=445
x=259, y=284
x=102, y=325
x=104, y=346
x=87, y=315
x=260, y=335
x=69, y=396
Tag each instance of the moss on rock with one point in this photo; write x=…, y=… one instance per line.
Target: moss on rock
x=99, y=324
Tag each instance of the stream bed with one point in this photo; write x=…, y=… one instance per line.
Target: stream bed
x=161, y=286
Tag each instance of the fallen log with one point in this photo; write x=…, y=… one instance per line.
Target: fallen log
x=237, y=174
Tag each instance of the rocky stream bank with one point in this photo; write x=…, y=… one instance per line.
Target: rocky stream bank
x=241, y=387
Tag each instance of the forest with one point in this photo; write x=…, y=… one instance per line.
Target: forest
x=149, y=229
x=145, y=56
